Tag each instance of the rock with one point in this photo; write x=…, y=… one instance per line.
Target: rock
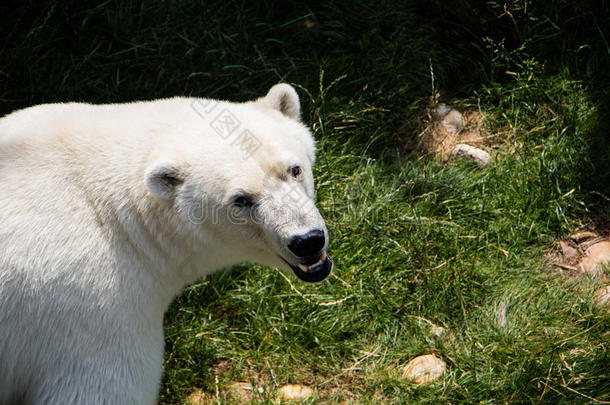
x=602, y=298
x=453, y=121
x=295, y=392
x=567, y=251
x=424, y=369
x=595, y=257
x=477, y=155
x=582, y=236
x=198, y=397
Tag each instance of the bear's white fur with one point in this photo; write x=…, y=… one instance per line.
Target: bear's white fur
x=108, y=211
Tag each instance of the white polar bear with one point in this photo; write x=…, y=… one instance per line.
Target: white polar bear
x=107, y=211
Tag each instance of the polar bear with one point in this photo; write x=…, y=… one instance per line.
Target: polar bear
x=108, y=211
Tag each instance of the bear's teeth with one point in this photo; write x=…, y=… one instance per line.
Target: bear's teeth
x=318, y=263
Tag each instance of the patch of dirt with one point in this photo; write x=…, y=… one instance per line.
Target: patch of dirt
x=446, y=128
x=242, y=392
x=198, y=397
x=254, y=385
x=222, y=367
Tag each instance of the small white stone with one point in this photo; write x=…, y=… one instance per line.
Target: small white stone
x=424, y=369
x=295, y=392
x=470, y=152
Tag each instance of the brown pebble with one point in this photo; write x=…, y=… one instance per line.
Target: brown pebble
x=295, y=392
x=424, y=369
x=567, y=251
x=595, y=257
x=582, y=236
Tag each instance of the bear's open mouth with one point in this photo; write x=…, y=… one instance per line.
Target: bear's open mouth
x=313, y=272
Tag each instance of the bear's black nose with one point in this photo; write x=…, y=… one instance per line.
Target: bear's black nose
x=308, y=244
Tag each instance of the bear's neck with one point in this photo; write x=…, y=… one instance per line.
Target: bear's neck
x=139, y=225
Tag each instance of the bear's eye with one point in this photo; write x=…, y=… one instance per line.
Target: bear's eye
x=243, y=201
x=296, y=171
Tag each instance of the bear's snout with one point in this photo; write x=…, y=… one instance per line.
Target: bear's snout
x=309, y=244
x=313, y=263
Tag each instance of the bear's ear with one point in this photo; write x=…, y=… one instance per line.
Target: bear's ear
x=163, y=178
x=284, y=98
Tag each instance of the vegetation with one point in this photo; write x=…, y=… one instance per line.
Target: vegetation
x=417, y=242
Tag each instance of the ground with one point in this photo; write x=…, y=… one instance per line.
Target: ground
x=420, y=242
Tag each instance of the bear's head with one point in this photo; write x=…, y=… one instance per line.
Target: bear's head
x=243, y=186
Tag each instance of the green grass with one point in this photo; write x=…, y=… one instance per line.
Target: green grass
x=416, y=242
